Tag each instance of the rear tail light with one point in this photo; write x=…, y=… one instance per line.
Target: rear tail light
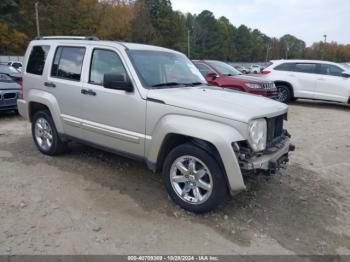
x=20, y=82
x=265, y=72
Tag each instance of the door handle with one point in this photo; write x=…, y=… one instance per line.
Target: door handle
x=49, y=84
x=88, y=92
x=321, y=79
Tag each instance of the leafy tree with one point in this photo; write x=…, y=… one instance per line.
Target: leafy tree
x=153, y=22
x=244, y=43
x=207, y=37
x=292, y=47
x=142, y=28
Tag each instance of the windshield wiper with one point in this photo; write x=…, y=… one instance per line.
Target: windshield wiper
x=169, y=84
x=197, y=84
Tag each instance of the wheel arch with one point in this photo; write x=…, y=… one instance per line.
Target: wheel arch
x=215, y=138
x=40, y=100
x=173, y=140
x=285, y=83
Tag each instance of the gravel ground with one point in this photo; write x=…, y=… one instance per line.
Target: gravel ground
x=91, y=202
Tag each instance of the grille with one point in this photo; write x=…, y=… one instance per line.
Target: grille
x=10, y=96
x=274, y=130
x=268, y=86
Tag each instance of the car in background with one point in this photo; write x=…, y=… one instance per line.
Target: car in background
x=9, y=92
x=242, y=69
x=16, y=64
x=223, y=75
x=11, y=72
x=310, y=79
x=255, y=69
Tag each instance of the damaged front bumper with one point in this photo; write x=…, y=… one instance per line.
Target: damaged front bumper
x=270, y=162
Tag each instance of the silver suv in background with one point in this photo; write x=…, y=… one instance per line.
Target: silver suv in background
x=151, y=104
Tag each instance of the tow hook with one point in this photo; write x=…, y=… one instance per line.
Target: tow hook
x=275, y=166
x=291, y=148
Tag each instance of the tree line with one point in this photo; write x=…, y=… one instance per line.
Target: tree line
x=153, y=22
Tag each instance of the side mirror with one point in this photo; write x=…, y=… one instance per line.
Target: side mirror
x=118, y=82
x=345, y=74
x=212, y=76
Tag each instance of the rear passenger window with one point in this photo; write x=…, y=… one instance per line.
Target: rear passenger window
x=285, y=67
x=104, y=62
x=305, y=68
x=68, y=63
x=37, y=58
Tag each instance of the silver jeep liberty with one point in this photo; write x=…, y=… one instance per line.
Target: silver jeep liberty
x=152, y=104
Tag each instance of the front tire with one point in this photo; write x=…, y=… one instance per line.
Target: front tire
x=45, y=135
x=194, y=179
x=284, y=94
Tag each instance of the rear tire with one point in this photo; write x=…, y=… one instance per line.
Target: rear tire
x=284, y=94
x=45, y=135
x=194, y=179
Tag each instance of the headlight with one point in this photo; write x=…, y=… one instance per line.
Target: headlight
x=253, y=86
x=258, y=133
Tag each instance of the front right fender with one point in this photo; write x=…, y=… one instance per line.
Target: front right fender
x=218, y=134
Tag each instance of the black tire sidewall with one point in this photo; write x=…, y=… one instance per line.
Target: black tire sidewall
x=220, y=189
x=289, y=94
x=57, y=144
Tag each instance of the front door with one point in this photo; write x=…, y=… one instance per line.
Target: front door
x=112, y=118
x=331, y=85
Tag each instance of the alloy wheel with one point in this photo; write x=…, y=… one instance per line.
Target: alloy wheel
x=283, y=94
x=191, y=180
x=43, y=134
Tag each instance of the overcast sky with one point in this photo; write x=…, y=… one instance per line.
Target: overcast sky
x=308, y=20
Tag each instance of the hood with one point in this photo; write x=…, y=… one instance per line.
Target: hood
x=220, y=102
x=249, y=79
x=9, y=86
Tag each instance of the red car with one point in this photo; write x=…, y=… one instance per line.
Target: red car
x=223, y=75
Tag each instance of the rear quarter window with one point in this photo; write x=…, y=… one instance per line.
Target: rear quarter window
x=37, y=58
x=285, y=67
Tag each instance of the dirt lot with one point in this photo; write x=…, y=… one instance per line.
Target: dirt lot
x=91, y=202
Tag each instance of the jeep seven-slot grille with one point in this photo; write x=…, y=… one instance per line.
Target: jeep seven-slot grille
x=268, y=86
x=274, y=130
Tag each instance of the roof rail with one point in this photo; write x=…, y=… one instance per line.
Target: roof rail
x=90, y=38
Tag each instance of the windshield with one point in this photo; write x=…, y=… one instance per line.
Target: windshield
x=225, y=69
x=5, y=78
x=8, y=69
x=158, y=69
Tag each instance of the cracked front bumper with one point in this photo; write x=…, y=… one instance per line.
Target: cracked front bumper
x=270, y=162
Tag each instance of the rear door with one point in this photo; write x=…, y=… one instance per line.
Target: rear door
x=331, y=85
x=305, y=75
x=64, y=82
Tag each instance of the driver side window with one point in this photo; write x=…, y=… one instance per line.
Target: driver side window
x=104, y=62
x=330, y=70
x=205, y=70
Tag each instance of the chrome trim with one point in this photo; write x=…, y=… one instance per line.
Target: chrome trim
x=117, y=133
